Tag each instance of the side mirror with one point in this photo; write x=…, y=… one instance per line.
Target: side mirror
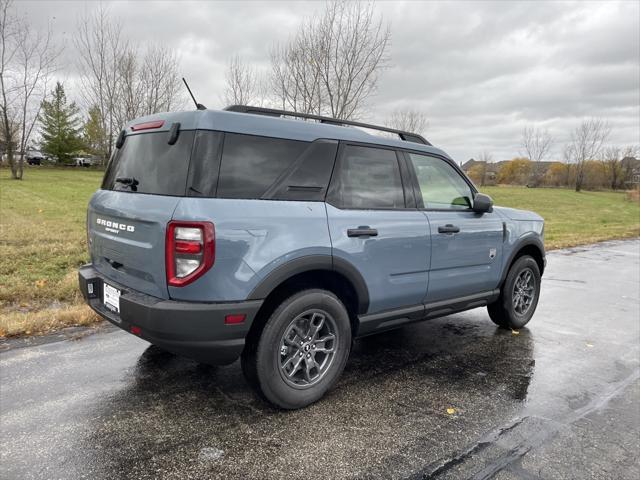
x=482, y=203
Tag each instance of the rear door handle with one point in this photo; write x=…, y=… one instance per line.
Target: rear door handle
x=448, y=228
x=362, y=232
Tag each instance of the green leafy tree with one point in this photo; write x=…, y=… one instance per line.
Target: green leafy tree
x=95, y=137
x=60, y=126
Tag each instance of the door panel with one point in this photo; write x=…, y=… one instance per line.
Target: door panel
x=466, y=247
x=466, y=262
x=395, y=263
x=371, y=228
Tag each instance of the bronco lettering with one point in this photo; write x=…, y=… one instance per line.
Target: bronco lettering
x=115, y=227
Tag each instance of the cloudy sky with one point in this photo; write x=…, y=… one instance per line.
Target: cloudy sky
x=480, y=71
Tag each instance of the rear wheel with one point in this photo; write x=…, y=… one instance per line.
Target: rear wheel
x=519, y=295
x=301, y=351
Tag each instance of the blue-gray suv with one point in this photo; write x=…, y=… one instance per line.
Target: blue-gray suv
x=280, y=237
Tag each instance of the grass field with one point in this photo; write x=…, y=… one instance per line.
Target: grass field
x=574, y=218
x=42, y=242
x=42, y=238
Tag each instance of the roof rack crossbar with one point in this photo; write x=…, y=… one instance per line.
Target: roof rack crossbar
x=406, y=136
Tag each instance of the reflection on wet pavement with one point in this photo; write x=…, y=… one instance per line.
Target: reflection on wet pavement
x=449, y=398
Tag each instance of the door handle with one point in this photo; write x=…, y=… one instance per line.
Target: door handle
x=362, y=231
x=448, y=228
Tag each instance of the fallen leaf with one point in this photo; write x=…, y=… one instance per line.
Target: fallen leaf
x=451, y=411
x=515, y=332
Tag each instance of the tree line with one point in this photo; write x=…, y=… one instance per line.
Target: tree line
x=588, y=162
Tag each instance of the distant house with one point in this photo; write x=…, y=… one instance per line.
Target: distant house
x=493, y=168
x=631, y=170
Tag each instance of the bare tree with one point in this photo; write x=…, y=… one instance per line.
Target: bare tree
x=295, y=73
x=409, y=120
x=484, y=159
x=586, y=144
x=128, y=101
x=160, y=79
x=567, y=158
x=241, y=83
x=536, y=144
x=333, y=62
x=611, y=161
x=100, y=49
x=27, y=59
x=124, y=82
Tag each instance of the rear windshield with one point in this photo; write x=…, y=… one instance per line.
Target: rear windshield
x=146, y=163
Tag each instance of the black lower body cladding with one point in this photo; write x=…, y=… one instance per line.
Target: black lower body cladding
x=193, y=329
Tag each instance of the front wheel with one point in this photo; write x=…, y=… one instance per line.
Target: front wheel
x=302, y=350
x=519, y=295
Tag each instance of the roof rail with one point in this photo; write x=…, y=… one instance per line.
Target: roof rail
x=406, y=136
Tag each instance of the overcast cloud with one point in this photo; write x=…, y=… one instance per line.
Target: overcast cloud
x=481, y=71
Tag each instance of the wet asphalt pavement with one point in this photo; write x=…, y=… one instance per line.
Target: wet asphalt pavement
x=561, y=399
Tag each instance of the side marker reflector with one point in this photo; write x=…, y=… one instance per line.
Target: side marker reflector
x=235, y=319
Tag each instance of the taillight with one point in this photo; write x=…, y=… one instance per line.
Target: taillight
x=190, y=251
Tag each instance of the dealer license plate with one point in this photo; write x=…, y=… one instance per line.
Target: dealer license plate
x=111, y=298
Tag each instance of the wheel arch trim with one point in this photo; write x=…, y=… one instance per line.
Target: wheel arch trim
x=520, y=244
x=310, y=263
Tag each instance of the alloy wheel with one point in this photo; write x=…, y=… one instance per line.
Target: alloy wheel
x=307, y=348
x=524, y=291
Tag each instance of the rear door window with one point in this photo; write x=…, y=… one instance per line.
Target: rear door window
x=367, y=178
x=251, y=164
x=146, y=163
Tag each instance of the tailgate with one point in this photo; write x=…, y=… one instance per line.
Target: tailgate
x=126, y=234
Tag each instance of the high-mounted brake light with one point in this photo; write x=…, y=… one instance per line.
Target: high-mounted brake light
x=147, y=125
x=189, y=251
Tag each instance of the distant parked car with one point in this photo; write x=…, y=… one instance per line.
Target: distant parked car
x=82, y=161
x=34, y=158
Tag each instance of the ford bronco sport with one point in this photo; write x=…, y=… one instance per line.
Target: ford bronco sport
x=280, y=237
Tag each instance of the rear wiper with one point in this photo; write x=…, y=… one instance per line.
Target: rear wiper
x=129, y=182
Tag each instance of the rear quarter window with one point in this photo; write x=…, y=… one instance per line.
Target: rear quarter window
x=146, y=163
x=251, y=164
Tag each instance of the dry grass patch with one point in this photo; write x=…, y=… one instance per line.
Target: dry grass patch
x=44, y=321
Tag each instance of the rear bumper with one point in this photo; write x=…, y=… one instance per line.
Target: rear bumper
x=192, y=329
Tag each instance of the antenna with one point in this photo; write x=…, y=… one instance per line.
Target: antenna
x=199, y=106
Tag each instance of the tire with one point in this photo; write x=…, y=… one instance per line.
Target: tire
x=504, y=312
x=313, y=323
